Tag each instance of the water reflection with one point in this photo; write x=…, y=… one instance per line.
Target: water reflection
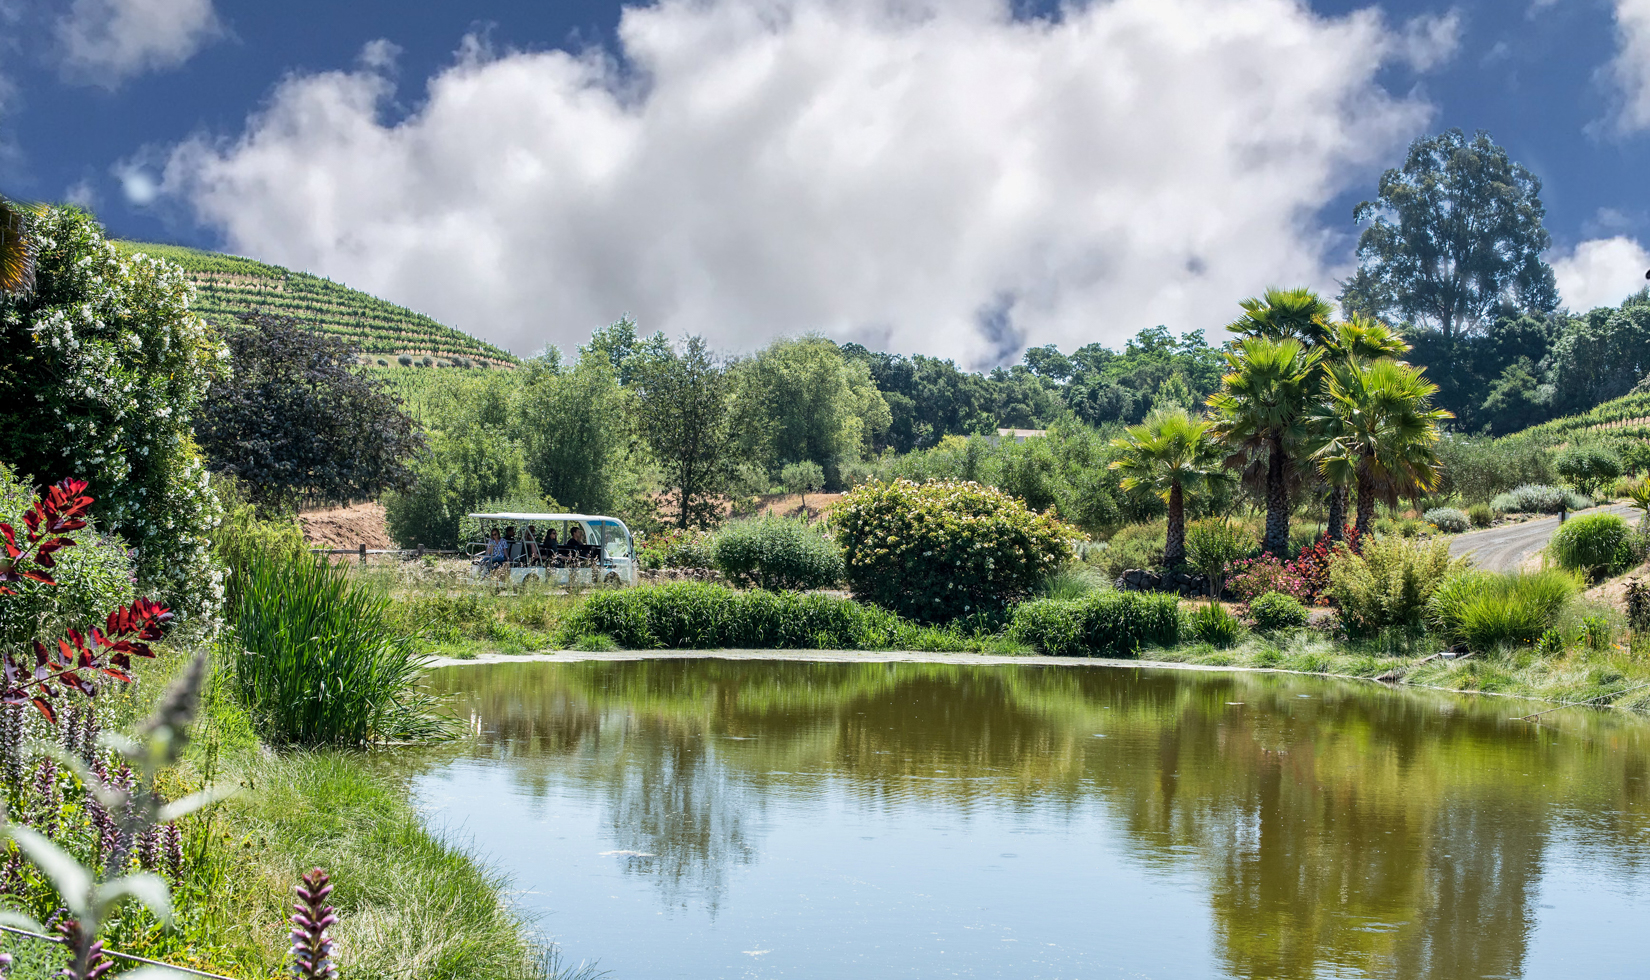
x=1333, y=830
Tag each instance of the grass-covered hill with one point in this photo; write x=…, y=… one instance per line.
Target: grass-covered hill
x=228, y=285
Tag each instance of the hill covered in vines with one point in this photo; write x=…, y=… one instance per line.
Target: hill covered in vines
x=227, y=286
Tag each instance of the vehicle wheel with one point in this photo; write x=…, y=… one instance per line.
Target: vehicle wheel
x=532, y=577
x=611, y=579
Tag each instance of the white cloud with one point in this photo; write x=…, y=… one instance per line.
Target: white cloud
x=81, y=194
x=1630, y=70
x=105, y=42
x=1430, y=40
x=136, y=181
x=1601, y=272
x=938, y=177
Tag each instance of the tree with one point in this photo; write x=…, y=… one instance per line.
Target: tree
x=102, y=371
x=1455, y=235
x=296, y=418
x=803, y=478
x=1169, y=453
x=1260, y=412
x=1385, y=432
x=1282, y=314
x=682, y=414
x=625, y=350
x=18, y=246
x=573, y=425
x=465, y=464
x=802, y=399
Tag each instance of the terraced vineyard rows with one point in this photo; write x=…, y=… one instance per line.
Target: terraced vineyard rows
x=227, y=286
x=1627, y=417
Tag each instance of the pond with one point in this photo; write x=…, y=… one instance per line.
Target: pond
x=713, y=818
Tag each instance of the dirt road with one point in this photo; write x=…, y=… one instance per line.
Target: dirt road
x=1503, y=549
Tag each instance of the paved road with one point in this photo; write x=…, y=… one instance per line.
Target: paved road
x=1503, y=549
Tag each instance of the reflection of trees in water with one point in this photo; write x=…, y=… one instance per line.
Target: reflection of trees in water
x=1351, y=833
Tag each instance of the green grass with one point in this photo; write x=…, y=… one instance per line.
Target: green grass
x=228, y=285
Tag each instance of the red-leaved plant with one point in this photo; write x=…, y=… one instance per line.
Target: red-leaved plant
x=77, y=657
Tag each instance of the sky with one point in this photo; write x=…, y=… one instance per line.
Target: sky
x=961, y=178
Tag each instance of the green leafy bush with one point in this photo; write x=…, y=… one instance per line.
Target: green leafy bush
x=1588, y=466
x=1214, y=544
x=1596, y=545
x=1485, y=610
x=316, y=661
x=675, y=548
x=1133, y=546
x=1481, y=515
x=1535, y=498
x=776, y=553
x=701, y=616
x=1103, y=623
x=1275, y=611
x=1447, y=519
x=1389, y=583
x=1212, y=624
x=939, y=551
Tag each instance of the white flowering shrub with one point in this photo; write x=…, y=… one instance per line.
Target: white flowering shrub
x=101, y=370
x=940, y=551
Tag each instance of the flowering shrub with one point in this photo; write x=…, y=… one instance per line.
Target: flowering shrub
x=101, y=369
x=939, y=551
x=1253, y=577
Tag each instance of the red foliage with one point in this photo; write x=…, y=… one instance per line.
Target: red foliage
x=76, y=657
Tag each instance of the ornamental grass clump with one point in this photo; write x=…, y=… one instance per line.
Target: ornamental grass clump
x=1596, y=545
x=1535, y=498
x=776, y=553
x=317, y=661
x=1210, y=623
x=936, y=552
x=1487, y=611
x=1449, y=520
x=1388, y=584
x=1108, y=623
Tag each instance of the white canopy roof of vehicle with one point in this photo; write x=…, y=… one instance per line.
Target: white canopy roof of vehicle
x=546, y=517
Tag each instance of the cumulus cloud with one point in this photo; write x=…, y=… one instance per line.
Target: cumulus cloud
x=1430, y=40
x=1601, y=272
x=917, y=175
x=105, y=42
x=1630, y=70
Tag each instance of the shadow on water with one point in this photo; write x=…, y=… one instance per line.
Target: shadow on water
x=1332, y=828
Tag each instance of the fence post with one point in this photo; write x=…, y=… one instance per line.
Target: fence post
x=363, y=554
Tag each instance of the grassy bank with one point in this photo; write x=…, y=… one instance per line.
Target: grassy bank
x=410, y=904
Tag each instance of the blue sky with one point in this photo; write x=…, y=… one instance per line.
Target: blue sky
x=957, y=182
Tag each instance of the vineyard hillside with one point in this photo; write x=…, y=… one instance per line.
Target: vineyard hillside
x=387, y=335
x=1627, y=417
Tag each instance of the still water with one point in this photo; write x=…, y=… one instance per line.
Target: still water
x=728, y=819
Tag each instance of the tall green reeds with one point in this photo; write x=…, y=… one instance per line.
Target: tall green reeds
x=1487, y=611
x=316, y=660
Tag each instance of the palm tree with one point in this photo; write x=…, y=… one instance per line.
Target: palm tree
x=1261, y=413
x=17, y=248
x=1169, y=453
x=1353, y=341
x=1384, y=430
x=1282, y=314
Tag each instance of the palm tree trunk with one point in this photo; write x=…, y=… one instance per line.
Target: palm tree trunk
x=1277, y=502
x=1337, y=512
x=1174, y=550
x=1366, y=504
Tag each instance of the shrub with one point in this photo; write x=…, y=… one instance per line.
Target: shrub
x=1389, y=583
x=1481, y=515
x=776, y=553
x=316, y=661
x=1257, y=576
x=404, y=360
x=675, y=549
x=1272, y=611
x=1485, y=610
x=1447, y=519
x=939, y=551
x=701, y=616
x=1103, y=623
x=1596, y=545
x=1535, y=498
x=1588, y=467
x=1212, y=624
x=1215, y=543
x=1133, y=546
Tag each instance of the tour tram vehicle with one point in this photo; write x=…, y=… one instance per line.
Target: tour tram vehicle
x=559, y=549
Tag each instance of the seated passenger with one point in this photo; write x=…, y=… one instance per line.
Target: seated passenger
x=530, y=545
x=497, y=553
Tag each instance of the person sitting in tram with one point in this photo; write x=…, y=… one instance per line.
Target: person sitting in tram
x=530, y=545
x=512, y=548
x=497, y=553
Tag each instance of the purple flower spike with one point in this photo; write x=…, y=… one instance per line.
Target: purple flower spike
x=312, y=948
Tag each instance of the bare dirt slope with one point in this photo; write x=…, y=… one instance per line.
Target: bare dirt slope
x=346, y=527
